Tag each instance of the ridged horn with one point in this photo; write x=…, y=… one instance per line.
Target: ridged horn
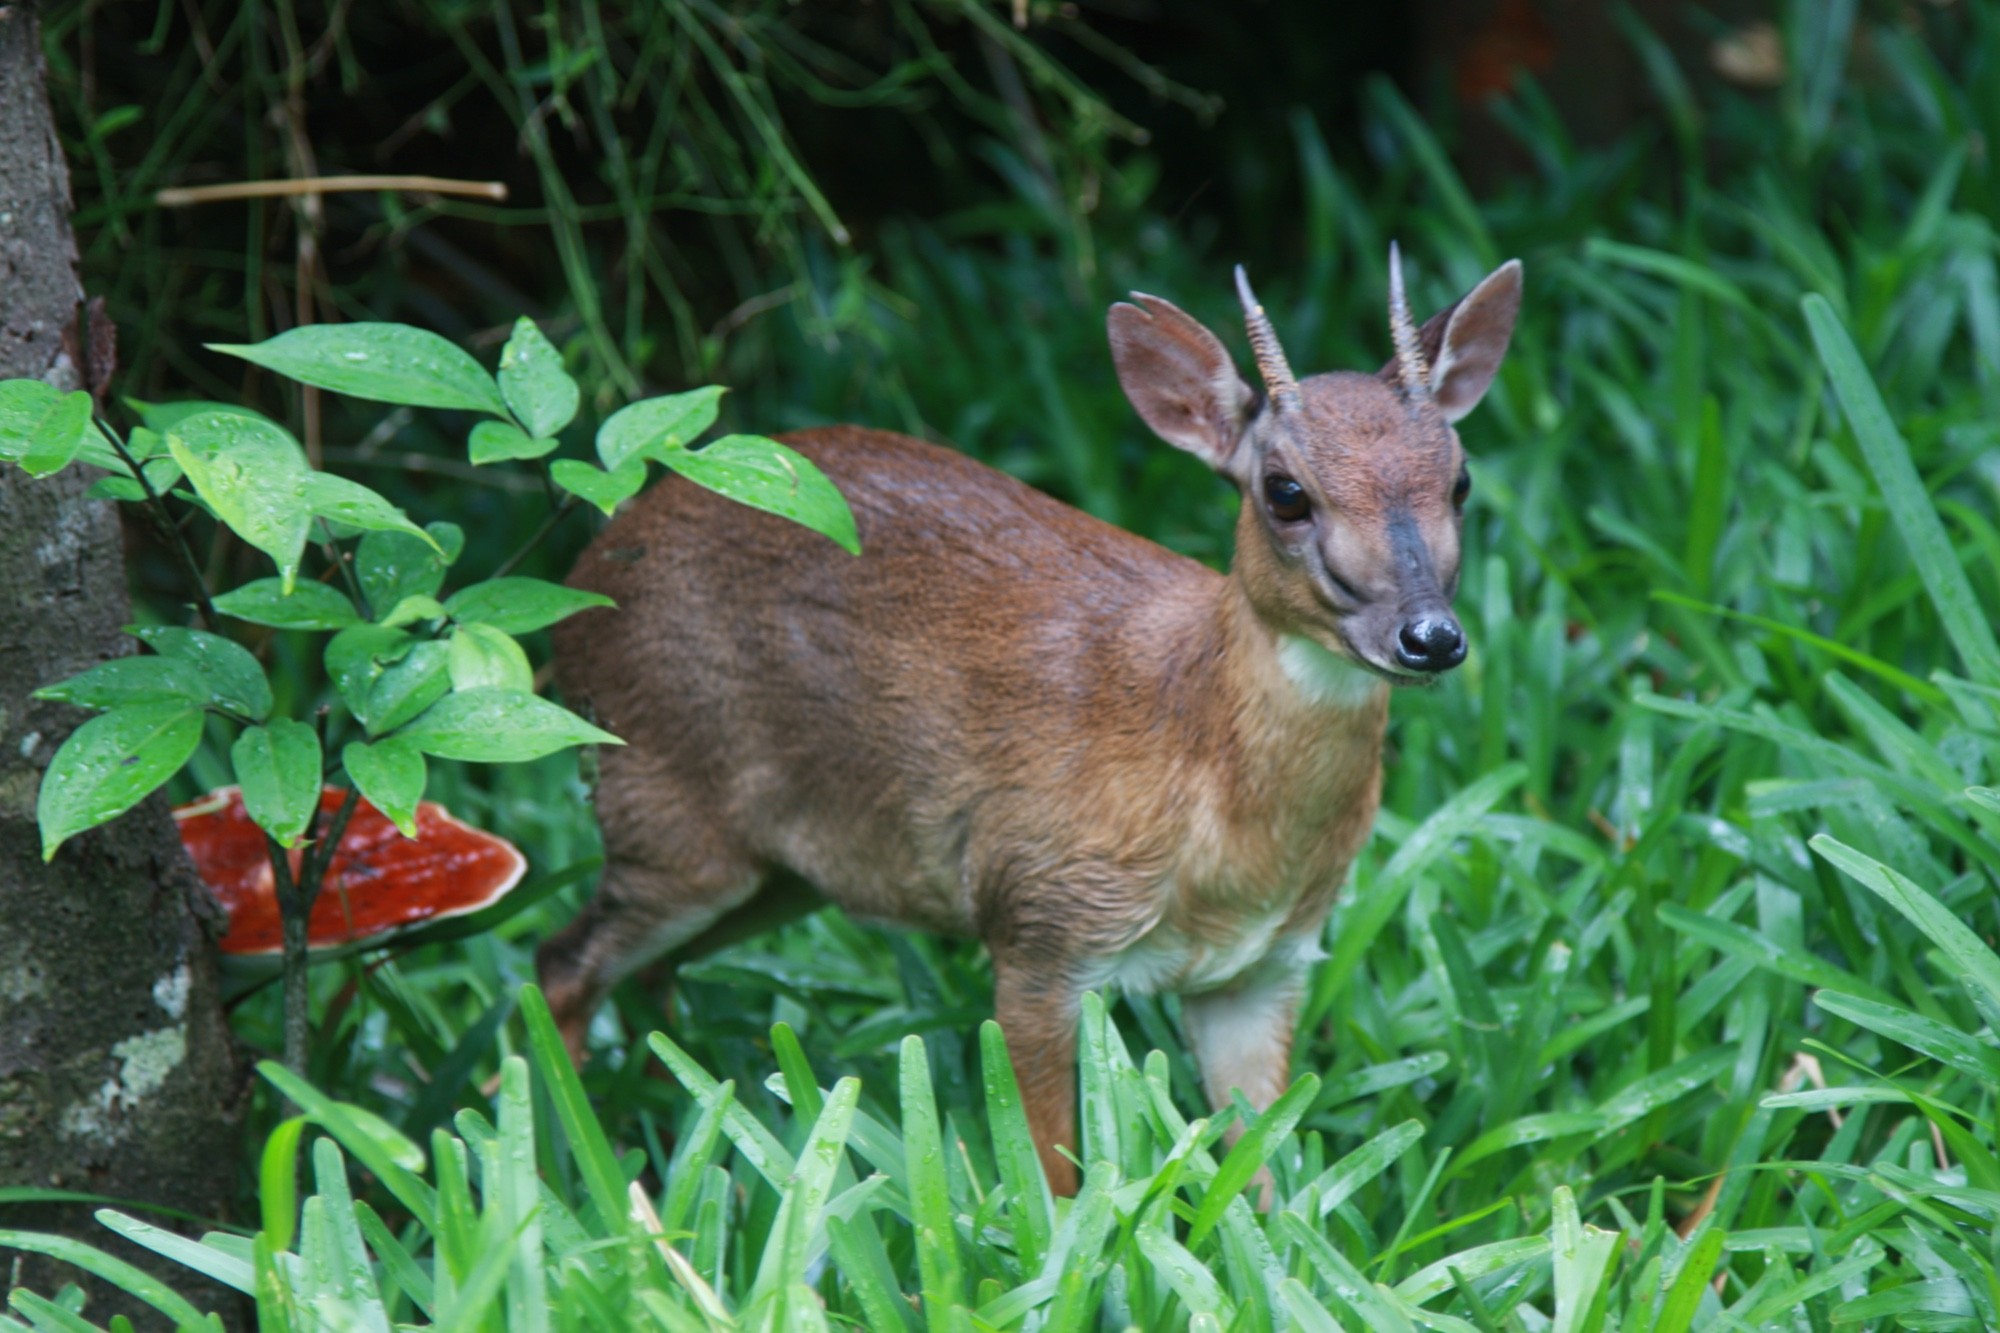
x=1271, y=364
x=1410, y=364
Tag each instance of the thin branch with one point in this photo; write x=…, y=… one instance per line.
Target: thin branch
x=322, y=853
x=182, y=196
x=170, y=529
x=548, y=525
x=343, y=561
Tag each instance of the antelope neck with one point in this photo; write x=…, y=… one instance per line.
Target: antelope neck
x=1275, y=694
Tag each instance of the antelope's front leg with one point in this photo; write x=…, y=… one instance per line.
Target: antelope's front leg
x=1242, y=1040
x=1038, y=1013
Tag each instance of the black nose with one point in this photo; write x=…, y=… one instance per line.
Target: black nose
x=1431, y=643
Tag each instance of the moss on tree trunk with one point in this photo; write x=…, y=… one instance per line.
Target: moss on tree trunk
x=117, y=1074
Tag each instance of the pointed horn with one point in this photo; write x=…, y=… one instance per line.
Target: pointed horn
x=1278, y=381
x=1411, y=368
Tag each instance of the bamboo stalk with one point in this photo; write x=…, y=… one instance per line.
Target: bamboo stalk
x=180, y=197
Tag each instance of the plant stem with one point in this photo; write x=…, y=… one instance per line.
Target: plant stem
x=169, y=529
x=345, y=565
x=296, y=896
x=294, y=911
x=548, y=526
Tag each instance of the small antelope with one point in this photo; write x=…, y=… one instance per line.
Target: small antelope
x=1010, y=721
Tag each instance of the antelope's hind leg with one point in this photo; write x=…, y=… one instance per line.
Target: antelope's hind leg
x=640, y=912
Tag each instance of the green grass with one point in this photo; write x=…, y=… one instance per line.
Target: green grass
x=1707, y=819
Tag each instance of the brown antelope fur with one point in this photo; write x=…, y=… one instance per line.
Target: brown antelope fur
x=1010, y=721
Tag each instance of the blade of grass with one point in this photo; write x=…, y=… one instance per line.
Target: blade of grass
x=1888, y=455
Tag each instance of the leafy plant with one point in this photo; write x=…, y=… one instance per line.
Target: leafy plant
x=1682, y=843
x=412, y=678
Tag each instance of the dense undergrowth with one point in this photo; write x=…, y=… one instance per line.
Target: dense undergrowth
x=1665, y=997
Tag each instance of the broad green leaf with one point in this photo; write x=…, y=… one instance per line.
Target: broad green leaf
x=373, y=1141
x=1944, y=1044
x=204, y=1259
x=1362, y=917
x=393, y=565
x=1480, y=1261
x=805, y=1196
x=41, y=428
x=594, y=1159
x=397, y=1262
x=1537, y=1128
x=766, y=475
x=1819, y=1099
x=1188, y=1278
x=254, y=477
x=1580, y=1255
x=757, y=1144
x=161, y=418
x=232, y=677
x=351, y=503
x=532, y=380
x=606, y=490
x=1251, y=1151
x=110, y=764
x=651, y=428
x=115, y=1272
x=1798, y=964
x=1691, y=1283
x=1941, y=1303
x=1305, y=1309
x=484, y=656
x=277, y=1182
x=58, y=435
x=278, y=768
x=415, y=682
x=930, y=1200
x=356, y=658
x=1368, y=1081
x=413, y=609
x=1014, y=1149
x=391, y=774
x=308, y=606
x=1903, y=491
x=130, y=680
x=348, y=1281
x=385, y=363
x=519, y=605
x=864, y=1262
x=141, y=444
x=500, y=726
x=161, y=471
x=1976, y=963
x=1340, y=1181
x=500, y=441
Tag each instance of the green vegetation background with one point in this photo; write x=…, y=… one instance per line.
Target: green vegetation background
x=1717, y=610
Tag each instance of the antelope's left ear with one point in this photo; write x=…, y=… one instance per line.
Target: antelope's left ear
x=1465, y=342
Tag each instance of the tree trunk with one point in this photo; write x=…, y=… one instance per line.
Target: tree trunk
x=117, y=1074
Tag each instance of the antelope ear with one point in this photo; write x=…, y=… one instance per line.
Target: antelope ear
x=1180, y=379
x=1465, y=342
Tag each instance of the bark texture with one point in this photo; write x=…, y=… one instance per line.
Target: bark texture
x=117, y=1074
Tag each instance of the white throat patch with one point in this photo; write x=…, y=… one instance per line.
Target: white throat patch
x=1324, y=677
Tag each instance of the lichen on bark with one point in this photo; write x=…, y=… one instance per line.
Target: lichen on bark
x=117, y=1074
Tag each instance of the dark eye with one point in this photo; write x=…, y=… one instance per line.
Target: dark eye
x=1286, y=498
x=1461, y=488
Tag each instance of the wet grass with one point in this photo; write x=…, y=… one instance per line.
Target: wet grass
x=1664, y=997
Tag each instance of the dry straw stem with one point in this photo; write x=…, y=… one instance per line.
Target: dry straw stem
x=181, y=197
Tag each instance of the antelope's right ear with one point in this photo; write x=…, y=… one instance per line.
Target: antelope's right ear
x=1180, y=379
x=1465, y=342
